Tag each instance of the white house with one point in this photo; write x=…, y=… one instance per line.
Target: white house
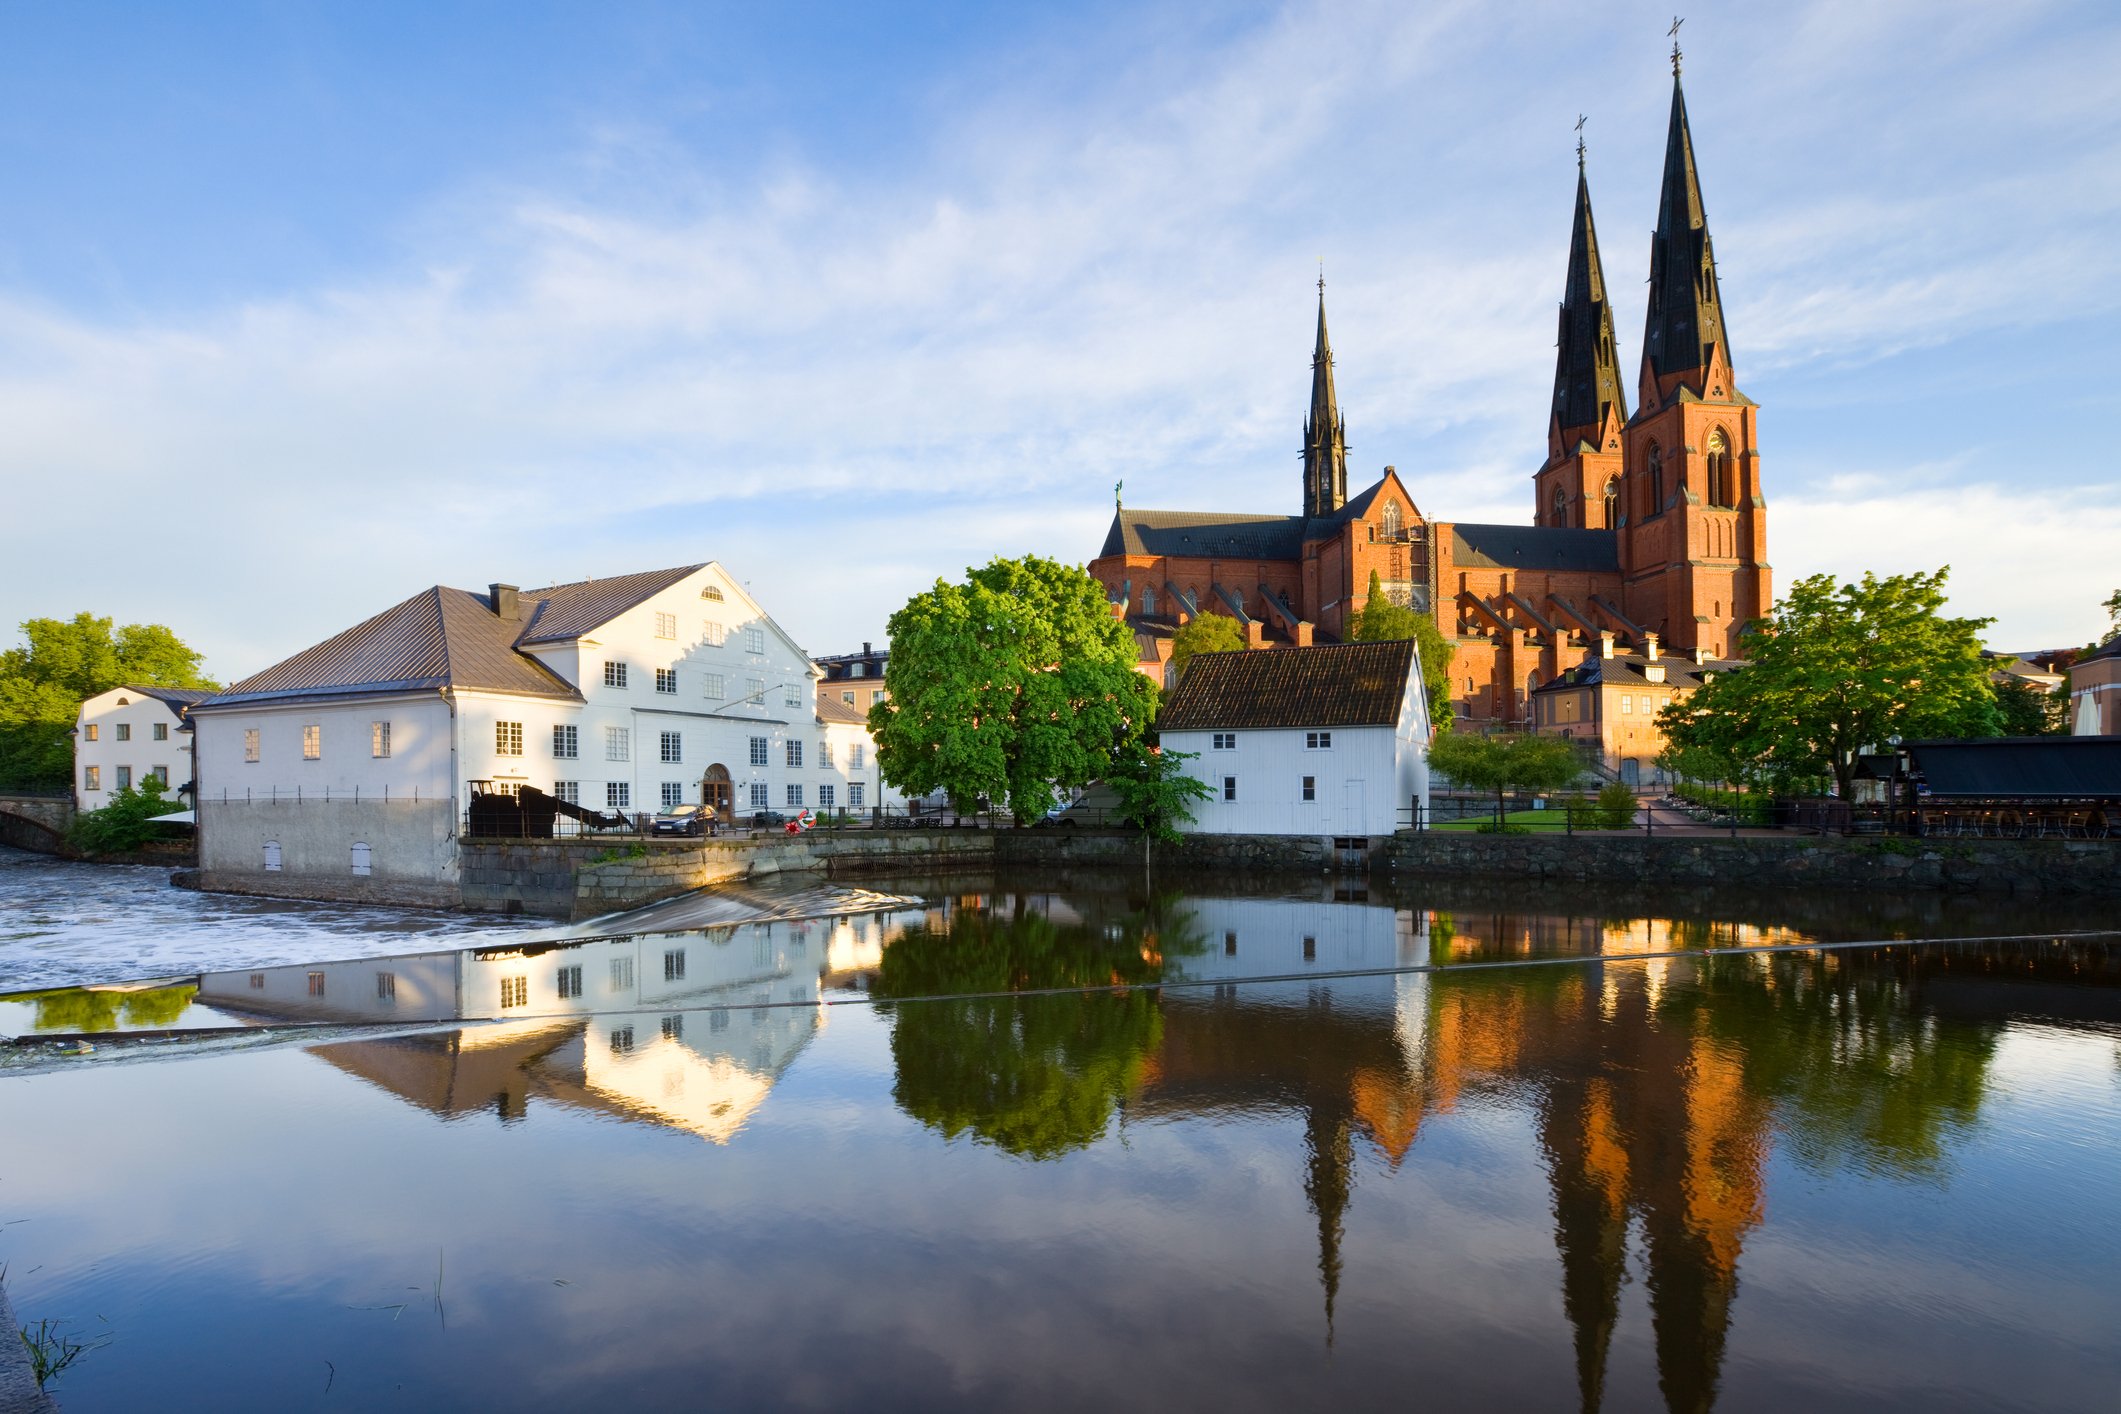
x=357, y=758
x=1331, y=741
x=128, y=734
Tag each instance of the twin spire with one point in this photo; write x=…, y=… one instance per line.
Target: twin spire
x=1325, y=433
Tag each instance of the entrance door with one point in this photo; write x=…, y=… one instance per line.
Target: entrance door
x=716, y=795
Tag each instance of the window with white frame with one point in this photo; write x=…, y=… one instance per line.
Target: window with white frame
x=618, y=795
x=125, y=778
x=569, y=980
x=622, y=973
x=792, y=695
x=515, y=992
x=1225, y=741
x=125, y=731
x=855, y=752
x=1318, y=741
x=674, y=965
x=618, y=743
x=313, y=742
x=666, y=681
x=508, y=738
x=614, y=675
x=715, y=634
x=569, y=791
x=250, y=745
x=712, y=591
x=754, y=640
x=379, y=739
x=848, y=698
x=673, y=746
x=716, y=687
x=674, y=1028
x=621, y=1040
x=89, y=732
x=759, y=799
x=795, y=796
x=566, y=743
x=758, y=751
x=1310, y=788
x=755, y=691
x=795, y=753
x=673, y=794
x=159, y=731
x=316, y=984
x=1627, y=705
x=666, y=625
x=386, y=986
x=92, y=778
x=1229, y=787
x=159, y=775
x=826, y=797
x=855, y=792
x=824, y=755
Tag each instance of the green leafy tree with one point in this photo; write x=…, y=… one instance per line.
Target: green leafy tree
x=1155, y=790
x=1380, y=620
x=1205, y=633
x=1007, y=685
x=1839, y=669
x=63, y=661
x=2022, y=709
x=1497, y=763
x=2113, y=612
x=126, y=822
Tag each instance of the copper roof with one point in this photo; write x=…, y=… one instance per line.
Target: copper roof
x=1334, y=685
x=438, y=638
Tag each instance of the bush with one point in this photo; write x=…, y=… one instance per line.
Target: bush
x=126, y=823
x=1749, y=807
x=1616, y=806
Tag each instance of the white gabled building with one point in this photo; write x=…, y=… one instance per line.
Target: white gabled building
x=1328, y=741
x=356, y=759
x=124, y=736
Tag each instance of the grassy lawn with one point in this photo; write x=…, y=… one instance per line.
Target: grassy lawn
x=1555, y=820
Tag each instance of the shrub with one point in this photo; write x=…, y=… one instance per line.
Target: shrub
x=126, y=823
x=1616, y=806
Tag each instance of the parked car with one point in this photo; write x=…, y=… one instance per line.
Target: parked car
x=768, y=820
x=684, y=820
x=1058, y=815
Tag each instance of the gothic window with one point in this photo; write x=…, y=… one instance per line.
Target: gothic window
x=1148, y=600
x=1612, y=502
x=1561, y=506
x=1654, y=466
x=1721, y=490
x=1391, y=520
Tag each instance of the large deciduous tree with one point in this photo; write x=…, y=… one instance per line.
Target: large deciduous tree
x=1006, y=686
x=1205, y=633
x=1379, y=619
x=1836, y=670
x=1497, y=763
x=63, y=661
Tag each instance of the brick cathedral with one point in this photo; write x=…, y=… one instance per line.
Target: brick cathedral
x=1649, y=528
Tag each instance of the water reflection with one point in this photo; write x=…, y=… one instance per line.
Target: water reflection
x=97, y=1009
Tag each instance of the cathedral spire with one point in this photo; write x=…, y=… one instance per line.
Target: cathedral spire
x=1686, y=310
x=1325, y=434
x=1587, y=366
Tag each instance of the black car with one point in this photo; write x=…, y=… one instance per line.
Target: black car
x=684, y=820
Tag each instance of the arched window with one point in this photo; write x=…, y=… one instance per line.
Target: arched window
x=1391, y=520
x=1561, y=506
x=1654, y=466
x=1148, y=600
x=1612, y=503
x=1722, y=491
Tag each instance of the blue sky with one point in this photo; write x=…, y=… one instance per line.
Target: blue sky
x=304, y=308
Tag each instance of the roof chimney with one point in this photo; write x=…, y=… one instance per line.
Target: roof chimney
x=503, y=599
x=1605, y=643
x=1701, y=653
x=865, y=648
x=1650, y=650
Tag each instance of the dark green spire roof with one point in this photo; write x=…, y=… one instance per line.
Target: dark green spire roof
x=1325, y=434
x=1686, y=310
x=1587, y=366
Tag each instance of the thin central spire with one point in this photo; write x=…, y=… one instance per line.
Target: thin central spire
x=1325, y=434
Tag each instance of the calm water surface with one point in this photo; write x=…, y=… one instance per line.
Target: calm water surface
x=910, y=1160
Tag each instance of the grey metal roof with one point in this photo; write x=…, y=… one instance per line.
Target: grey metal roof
x=567, y=611
x=2044, y=767
x=1336, y=685
x=1204, y=533
x=438, y=638
x=178, y=699
x=1546, y=547
x=1628, y=670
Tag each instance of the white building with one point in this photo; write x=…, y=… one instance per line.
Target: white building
x=1331, y=741
x=357, y=758
x=128, y=734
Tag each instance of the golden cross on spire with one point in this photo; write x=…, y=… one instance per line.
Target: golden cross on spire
x=1581, y=119
x=1677, y=21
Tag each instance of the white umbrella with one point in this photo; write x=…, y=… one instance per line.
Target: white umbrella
x=175, y=817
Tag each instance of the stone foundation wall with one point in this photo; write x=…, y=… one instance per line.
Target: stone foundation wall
x=395, y=893
x=2024, y=867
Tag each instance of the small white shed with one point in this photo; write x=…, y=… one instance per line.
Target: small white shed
x=1330, y=740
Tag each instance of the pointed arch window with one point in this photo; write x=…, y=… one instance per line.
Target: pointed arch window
x=1391, y=520
x=1723, y=490
x=1612, y=503
x=1561, y=506
x=1653, y=467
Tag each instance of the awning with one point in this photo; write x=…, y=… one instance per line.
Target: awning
x=175, y=817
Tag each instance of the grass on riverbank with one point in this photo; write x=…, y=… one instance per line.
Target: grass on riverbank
x=1539, y=821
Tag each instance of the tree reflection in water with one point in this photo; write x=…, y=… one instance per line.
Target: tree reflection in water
x=1035, y=1076
x=101, y=1008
